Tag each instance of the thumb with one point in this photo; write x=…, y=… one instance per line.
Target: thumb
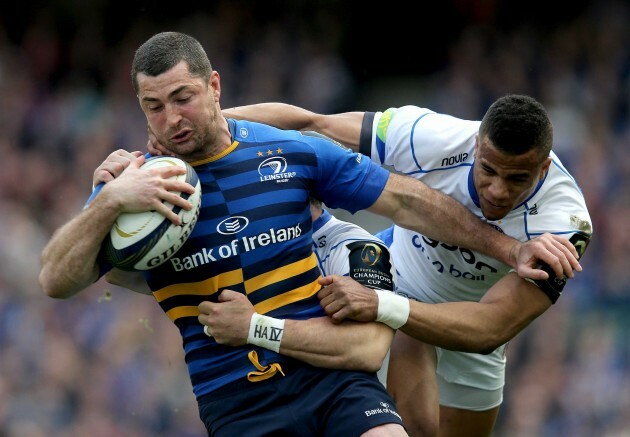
x=325, y=281
x=328, y=280
x=228, y=295
x=536, y=274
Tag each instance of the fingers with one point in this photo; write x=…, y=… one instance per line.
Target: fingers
x=569, y=250
x=168, y=192
x=168, y=214
x=168, y=172
x=329, y=303
x=204, y=308
x=553, y=250
x=561, y=241
x=137, y=161
x=336, y=306
x=102, y=175
x=114, y=165
x=562, y=256
x=334, y=309
x=558, y=262
x=206, y=330
x=204, y=317
x=178, y=186
x=155, y=147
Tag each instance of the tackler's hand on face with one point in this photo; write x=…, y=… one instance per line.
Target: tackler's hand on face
x=553, y=250
x=343, y=297
x=154, y=147
x=227, y=320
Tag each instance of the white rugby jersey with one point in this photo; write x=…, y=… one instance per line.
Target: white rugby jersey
x=346, y=249
x=438, y=149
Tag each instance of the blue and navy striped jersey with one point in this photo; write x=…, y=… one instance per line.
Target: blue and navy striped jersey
x=254, y=235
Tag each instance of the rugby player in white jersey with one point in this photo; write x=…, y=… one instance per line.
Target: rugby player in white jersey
x=467, y=304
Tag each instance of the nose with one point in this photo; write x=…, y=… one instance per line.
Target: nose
x=498, y=189
x=173, y=117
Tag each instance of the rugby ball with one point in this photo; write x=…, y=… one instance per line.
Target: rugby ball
x=144, y=240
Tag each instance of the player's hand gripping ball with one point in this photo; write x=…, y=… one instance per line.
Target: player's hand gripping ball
x=145, y=240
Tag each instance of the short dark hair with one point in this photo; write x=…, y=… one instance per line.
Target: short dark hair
x=516, y=124
x=316, y=202
x=165, y=50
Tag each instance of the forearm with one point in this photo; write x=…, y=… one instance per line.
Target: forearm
x=460, y=326
x=432, y=213
x=275, y=114
x=69, y=259
x=232, y=321
x=345, y=127
x=479, y=327
x=348, y=345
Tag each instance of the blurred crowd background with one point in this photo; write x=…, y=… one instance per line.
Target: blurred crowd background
x=109, y=363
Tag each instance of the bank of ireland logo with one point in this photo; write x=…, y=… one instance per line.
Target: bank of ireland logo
x=232, y=225
x=370, y=254
x=274, y=165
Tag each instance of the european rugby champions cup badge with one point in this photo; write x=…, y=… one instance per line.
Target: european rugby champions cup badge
x=370, y=265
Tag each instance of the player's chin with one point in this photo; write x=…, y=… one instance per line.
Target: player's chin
x=182, y=149
x=493, y=212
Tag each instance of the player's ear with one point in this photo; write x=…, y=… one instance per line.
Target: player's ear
x=214, y=85
x=544, y=168
x=476, y=145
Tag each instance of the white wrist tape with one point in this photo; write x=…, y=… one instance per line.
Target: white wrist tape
x=265, y=331
x=393, y=309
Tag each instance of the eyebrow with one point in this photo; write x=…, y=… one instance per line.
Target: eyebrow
x=516, y=173
x=171, y=94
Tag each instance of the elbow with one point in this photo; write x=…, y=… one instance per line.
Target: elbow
x=487, y=350
x=374, y=364
x=48, y=285
x=370, y=359
x=53, y=286
x=365, y=362
x=370, y=362
x=486, y=344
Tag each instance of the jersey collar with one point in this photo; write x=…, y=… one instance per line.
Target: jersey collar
x=321, y=221
x=232, y=126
